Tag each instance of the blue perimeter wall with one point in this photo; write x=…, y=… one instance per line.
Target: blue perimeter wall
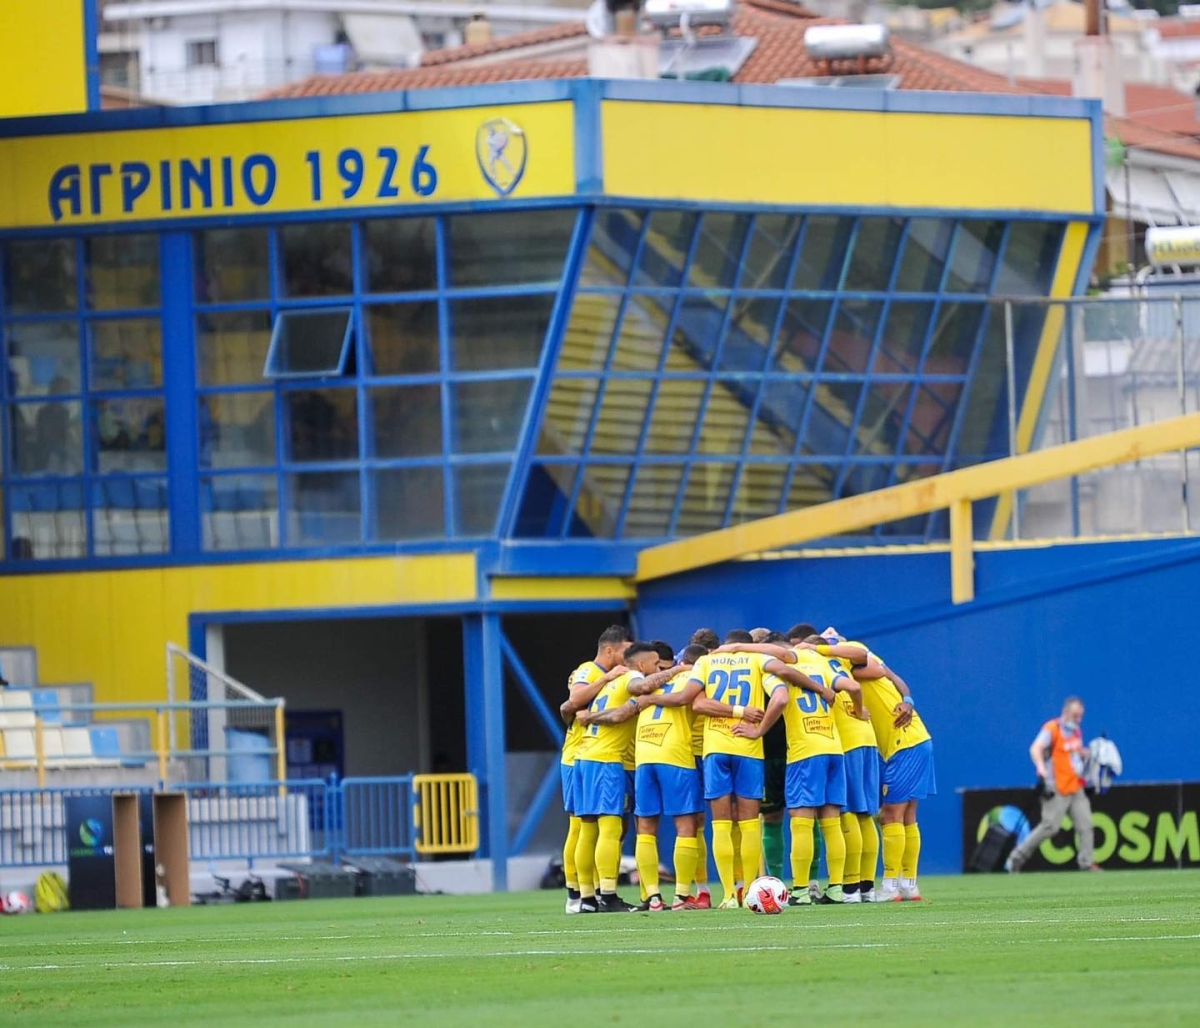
x=1100, y=619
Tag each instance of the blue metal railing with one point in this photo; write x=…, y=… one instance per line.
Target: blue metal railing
x=259, y=821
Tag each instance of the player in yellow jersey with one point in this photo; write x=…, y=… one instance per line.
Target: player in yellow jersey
x=666, y=780
x=604, y=765
x=734, y=693
x=708, y=640
x=908, y=770
x=584, y=684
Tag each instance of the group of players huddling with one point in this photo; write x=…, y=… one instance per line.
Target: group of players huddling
x=662, y=733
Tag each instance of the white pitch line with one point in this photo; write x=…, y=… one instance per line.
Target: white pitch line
x=1143, y=938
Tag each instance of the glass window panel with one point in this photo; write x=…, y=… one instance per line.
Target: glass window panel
x=129, y=516
x=240, y=512
x=779, y=413
x=652, y=501
x=309, y=342
x=769, y=254
x=410, y=503
x=904, y=336
x=322, y=424
x=640, y=345
x=751, y=327
x=954, y=338
x=664, y=252
x=698, y=326
x=4, y=550
x=234, y=264
x=705, y=498
x=542, y=505
x=723, y=429
x=884, y=407
x=622, y=413
x=122, y=271
x=1030, y=256
x=41, y=277
x=131, y=434
x=674, y=419
x=233, y=347
x=823, y=250
x=126, y=353
x=237, y=430
x=589, y=332
x=46, y=438
x=403, y=338
x=401, y=254
x=931, y=418
x=47, y=521
x=924, y=257
x=601, y=493
x=759, y=492
x=497, y=332
x=974, y=255
x=509, y=247
x=43, y=358
x=853, y=337
x=832, y=418
x=983, y=434
x=478, y=489
x=407, y=420
x=612, y=246
x=811, y=484
x=801, y=334
x=488, y=415
x=324, y=508
x=875, y=246
x=568, y=414
x=317, y=259
x=718, y=250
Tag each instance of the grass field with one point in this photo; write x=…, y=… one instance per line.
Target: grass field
x=1051, y=949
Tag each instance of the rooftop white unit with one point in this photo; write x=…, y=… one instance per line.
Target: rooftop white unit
x=666, y=14
x=1178, y=245
x=846, y=42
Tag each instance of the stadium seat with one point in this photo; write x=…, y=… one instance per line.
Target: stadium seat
x=19, y=744
x=77, y=747
x=45, y=705
x=52, y=746
x=16, y=709
x=105, y=743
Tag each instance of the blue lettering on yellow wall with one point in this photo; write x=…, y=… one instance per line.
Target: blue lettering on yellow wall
x=198, y=176
x=64, y=188
x=135, y=180
x=259, y=196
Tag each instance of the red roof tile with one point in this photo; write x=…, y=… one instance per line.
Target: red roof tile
x=1175, y=28
x=517, y=41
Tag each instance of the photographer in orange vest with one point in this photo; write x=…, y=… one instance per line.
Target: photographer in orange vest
x=1059, y=755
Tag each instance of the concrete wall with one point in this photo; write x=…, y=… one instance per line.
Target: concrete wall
x=1105, y=621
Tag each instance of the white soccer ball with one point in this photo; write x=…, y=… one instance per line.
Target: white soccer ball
x=767, y=895
x=15, y=903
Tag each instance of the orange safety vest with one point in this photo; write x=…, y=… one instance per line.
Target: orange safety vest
x=1066, y=756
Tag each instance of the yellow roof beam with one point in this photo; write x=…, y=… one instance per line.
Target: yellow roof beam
x=939, y=492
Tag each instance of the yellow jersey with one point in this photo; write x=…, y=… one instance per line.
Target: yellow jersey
x=880, y=697
x=736, y=679
x=697, y=734
x=611, y=744
x=664, y=734
x=587, y=673
x=808, y=718
x=854, y=731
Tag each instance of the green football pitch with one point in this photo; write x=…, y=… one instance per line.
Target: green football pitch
x=1051, y=949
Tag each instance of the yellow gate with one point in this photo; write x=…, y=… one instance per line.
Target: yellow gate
x=446, y=813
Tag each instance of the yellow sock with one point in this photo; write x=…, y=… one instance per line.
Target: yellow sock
x=738, y=870
x=751, y=848
x=912, y=851
x=722, y=848
x=646, y=853
x=585, y=857
x=686, y=852
x=569, y=872
x=893, y=850
x=701, y=862
x=869, y=863
x=802, y=851
x=608, y=853
x=854, y=843
x=835, y=848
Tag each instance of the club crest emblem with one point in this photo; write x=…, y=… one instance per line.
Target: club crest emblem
x=501, y=150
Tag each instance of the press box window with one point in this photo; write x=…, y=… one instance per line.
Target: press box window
x=310, y=343
x=202, y=53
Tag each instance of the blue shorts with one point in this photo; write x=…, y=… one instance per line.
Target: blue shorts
x=728, y=775
x=567, y=773
x=909, y=774
x=667, y=789
x=816, y=782
x=862, y=780
x=602, y=788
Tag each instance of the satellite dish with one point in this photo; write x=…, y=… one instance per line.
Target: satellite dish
x=599, y=20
